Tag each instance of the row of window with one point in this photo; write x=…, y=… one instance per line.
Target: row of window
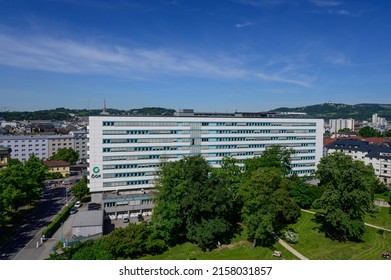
x=259, y=124
x=262, y=131
x=184, y=132
x=134, y=123
x=131, y=166
x=308, y=171
x=127, y=183
x=130, y=174
x=155, y=123
x=161, y=157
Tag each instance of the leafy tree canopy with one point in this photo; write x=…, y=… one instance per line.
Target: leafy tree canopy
x=66, y=154
x=267, y=207
x=80, y=189
x=275, y=156
x=193, y=203
x=368, y=131
x=349, y=187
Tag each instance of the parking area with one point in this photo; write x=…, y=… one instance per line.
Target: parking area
x=111, y=224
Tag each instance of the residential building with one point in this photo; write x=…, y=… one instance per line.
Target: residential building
x=5, y=156
x=338, y=124
x=125, y=152
x=377, y=155
x=58, y=166
x=44, y=146
x=22, y=146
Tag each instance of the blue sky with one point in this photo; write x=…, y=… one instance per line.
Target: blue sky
x=217, y=55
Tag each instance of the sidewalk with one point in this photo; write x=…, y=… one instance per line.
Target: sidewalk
x=290, y=249
x=44, y=249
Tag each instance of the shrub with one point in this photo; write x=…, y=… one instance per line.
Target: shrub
x=291, y=236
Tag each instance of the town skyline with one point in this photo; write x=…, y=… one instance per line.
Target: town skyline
x=245, y=55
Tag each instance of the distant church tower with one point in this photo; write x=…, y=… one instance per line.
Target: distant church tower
x=104, y=113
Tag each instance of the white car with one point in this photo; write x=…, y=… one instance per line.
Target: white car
x=77, y=204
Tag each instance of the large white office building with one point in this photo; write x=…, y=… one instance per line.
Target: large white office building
x=125, y=152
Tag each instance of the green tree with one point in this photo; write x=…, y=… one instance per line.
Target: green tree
x=12, y=180
x=81, y=189
x=192, y=204
x=20, y=184
x=130, y=242
x=267, y=206
x=229, y=177
x=274, y=156
x=387, y=133
x=349, y=187
x=36, y=172
x=303, y=193
x=368, y=131
x=66, y=154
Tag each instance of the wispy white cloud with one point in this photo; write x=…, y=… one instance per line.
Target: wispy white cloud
x=282, y=79
x=245, y=24
x=77, y=57
x=259, y=3
x=325, y=3
x=339, y=58
x=343, y=13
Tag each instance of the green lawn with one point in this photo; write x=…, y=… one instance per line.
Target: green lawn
x=241, y=250
x=312, y=243
x=381, y=219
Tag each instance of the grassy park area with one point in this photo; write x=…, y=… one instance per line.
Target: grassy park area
x=312, y=243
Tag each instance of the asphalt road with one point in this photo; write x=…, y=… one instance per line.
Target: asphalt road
x=29, y=229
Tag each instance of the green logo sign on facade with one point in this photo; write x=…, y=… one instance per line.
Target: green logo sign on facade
x=96, y=169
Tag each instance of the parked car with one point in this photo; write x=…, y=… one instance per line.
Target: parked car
x=125, y=219
x=94, y=206
x=78, y=204
x=73, y=210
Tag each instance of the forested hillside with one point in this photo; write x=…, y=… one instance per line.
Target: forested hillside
x=67, y=114
x=337, y=110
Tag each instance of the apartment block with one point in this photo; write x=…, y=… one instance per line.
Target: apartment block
x=377, y=155
x=44, y=146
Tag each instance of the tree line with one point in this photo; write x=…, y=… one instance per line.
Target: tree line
x=20, y=184
x=207, y=206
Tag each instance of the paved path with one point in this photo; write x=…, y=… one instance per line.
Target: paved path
x=290, y=249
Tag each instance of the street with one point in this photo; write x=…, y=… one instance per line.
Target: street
x=26, y=233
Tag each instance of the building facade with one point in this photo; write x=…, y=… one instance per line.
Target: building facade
x=44, y=146
x=125, y=152
x=58, y=166
x=377, y=155
x=338, y=124
x=5, y=156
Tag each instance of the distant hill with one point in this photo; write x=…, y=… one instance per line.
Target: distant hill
x=68, y=114
x=327, y=111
